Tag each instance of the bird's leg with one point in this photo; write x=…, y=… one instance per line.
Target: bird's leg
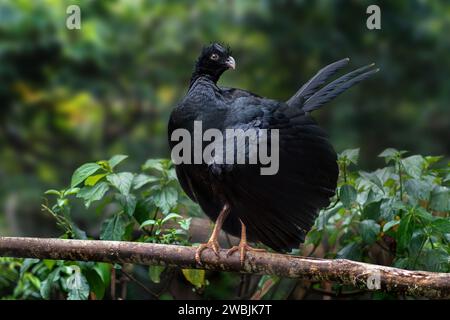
x=243, y=246
x=213, y=243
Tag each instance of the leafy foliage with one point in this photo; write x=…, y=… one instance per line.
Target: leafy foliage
x=402, y=210
x=149, y=201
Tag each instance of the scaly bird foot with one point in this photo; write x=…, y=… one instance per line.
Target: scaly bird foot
x=243, y=248
x=211, y=244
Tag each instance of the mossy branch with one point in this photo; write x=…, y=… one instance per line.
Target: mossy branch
x=361, y=275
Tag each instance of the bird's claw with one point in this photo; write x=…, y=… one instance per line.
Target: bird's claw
x=242, y=248
x=211, y=244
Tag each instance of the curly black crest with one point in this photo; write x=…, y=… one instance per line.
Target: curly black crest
x=216, y=47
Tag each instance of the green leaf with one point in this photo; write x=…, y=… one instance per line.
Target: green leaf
x=418, y=239
x=104, y=271
x=417, y=190
x=195, y=277
x=121, y=181
x=351, y=155
x=83, y=172
x=115, y=160
x=114, y=227
x=165, y=198
x=185, y=223
x=71, y=191
x=325, y=215
x=96, y=284
x=128, y=234
x=53, y=192
x=146, y=223
x=347, y=195
x=401, y=263
x=104, y=165
x=77, y=285
x=61, y=202
x=397, y=204
x=154, y=272
x=436, y=260
x=384, y=174
x=404, y=232
x=143, y=209
x=171, y=216
x=425, y=216
x=351, y=251
x=430, y=160
x=94, y=193
x=372, y=177
x=440, y=199
x=369, y=230
x=156, y=164
x=35, y=283
x=128, y=203
x=264, y=285
x=92, y=180
x=49, y=263
x=77, y=232
x=372, y=196
x=391, y=207
x=447, y=177
x=171, y=174
x=414, y=165
x=390, y=224
x=441, y=224
x=142, y=179
x=390, y=154
x=372, y=211
x=313, y=237
x=26, y=264
x=47, y=285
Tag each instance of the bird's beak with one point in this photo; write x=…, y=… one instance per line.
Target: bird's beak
x=231, y=63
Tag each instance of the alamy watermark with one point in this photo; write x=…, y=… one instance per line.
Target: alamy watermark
x=73, y=20
x=233, y=146
x=374, y=281
x=373, y=22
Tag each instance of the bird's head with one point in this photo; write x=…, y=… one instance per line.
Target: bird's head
x=214, y=60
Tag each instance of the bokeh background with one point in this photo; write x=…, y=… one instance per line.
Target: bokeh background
x=73, y=96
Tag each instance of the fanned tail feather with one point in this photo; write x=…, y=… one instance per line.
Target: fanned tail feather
x=332, y=90
x=310, y=97
x=310, y=87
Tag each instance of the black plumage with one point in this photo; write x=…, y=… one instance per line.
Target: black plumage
x=277, y=210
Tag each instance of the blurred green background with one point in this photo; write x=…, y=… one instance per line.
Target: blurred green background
x=73, y=96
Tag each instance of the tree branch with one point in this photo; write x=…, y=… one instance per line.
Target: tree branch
x=358, y=274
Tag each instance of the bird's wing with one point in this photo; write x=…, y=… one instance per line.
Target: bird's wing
x=230, y=94
x=279, y=209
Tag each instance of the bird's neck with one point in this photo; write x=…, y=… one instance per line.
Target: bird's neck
x=201, y=71
x=197, y=75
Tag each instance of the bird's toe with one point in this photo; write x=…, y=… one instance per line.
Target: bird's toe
x=243, y=248
x=213, y=245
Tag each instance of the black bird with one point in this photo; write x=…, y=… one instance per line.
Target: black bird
x=277, y=210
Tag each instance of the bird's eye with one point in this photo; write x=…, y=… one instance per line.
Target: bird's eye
x=214, y=56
